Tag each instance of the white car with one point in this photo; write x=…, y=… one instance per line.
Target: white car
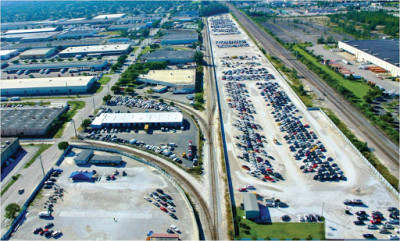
x=371, y=226
x=175, y=228
x=393, y=237
x=171, y=208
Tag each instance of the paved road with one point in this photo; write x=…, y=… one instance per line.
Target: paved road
x=378, y=141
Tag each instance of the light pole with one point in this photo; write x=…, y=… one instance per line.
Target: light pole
x=94, y=106
x=76, y=135
x=41, y=164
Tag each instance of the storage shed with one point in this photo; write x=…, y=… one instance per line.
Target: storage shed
x=252, y=210
x=83, y=157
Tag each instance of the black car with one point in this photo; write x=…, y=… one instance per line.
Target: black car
x=49, y=225
x=368, y=235
x=36, y=231
x=160, y=190
x=359, y=222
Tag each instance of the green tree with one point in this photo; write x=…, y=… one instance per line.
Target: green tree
x=12, y=210
x=63, y=145
x=86, y=123
x=115, y=88
x=15, y=61
x=129, y=90
x=150, y=91
x=171, y=103
x=198, y=57
x=107, y=98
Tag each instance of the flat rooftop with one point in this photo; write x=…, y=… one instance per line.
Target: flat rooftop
x=59, y=65
x=34, y=30
x=55, y=82
x=139, y=118
x=6, y=142
x=109, y=16
x=41, y=51
x=6, y=52
x=178, y=76
x=29, y=118
x=96, y=49
x=385, y=49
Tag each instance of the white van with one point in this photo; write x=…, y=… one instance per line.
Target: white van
x=44, y=214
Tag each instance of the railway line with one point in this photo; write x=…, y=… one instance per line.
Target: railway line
x=355, y=119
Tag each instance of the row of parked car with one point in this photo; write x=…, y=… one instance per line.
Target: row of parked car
x=303, y=143
x=130, y=101
x=223, y=26
x=163, y=201
x=250, y=143
x=239, y=43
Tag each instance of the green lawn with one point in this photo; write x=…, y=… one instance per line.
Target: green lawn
x=37, y=154
x=104, y=80
x=112, y=32
x=10, y=183
x=75, y=105
x=251, y=230
x=358, y=88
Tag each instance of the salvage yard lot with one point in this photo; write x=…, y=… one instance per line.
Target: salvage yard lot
x=109, y=210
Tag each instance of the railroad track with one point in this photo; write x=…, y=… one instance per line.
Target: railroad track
x=187, y=185
x=362, y=125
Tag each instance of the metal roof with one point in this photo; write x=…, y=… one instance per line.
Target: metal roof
x=83, y=155
x=385, y=49
x=55, y=82
x=96, y=49
x=96, y=158
x=169, y=54
x=41, y=51
x=34, y=30
x=110, y=16
x=138, y=118
x=58, y=65
x=250, y=202
x=6, y=142
x=29, y=118
x=176, y=76
x=6, y=52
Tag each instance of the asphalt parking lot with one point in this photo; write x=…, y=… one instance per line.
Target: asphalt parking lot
x=158, y=137
x=108, y=210
x=302, y=194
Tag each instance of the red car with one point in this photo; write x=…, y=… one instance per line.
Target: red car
x=376, y=221
x=306, y=126
x=164, y=209
x=246, y=167
x=242, y=189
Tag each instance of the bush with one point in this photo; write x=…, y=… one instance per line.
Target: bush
x=12, y=210
x=63, y=145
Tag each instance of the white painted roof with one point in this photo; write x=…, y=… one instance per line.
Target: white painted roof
x=45, y=82
x=96, y=48
x=41, y=51
x=149, y=117
x=110, y=16
x=6, y=52
x=36, y=30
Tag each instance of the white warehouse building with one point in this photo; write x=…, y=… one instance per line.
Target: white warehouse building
x=381, y=52
x=138, y=120
x=46, y=86
x=109, y=49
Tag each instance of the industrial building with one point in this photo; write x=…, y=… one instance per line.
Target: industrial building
x=92, y=66
x=77, y=34
x=38, y=53
x=179, y=37
x=110, y=49
x=33, y=30
x=29, y=37
x=47, y=86
x=138, y=120
x=110, y=16
x=250, y=204
x=29, y=121
x=8, y=54
x=176, y=79
x=88, y=157
x=55, y=43
x=9, y=146
x=171, y=56
x=133, y=26
x=381, y=52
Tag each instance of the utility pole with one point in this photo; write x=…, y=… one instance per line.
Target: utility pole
x=94, y=106
x=41, y=164
x=76, y=135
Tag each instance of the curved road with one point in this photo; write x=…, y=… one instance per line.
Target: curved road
x=385, y=148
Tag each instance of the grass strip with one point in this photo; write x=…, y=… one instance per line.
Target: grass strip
x=363, y=148
x=37, y=154
x=10, y=183
x=104, y=80
x=278, y=230
x=65, y=117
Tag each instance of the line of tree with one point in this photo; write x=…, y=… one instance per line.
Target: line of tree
x=120, y=61
x=209, y=9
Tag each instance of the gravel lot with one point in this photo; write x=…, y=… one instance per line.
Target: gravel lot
x=299, y=191
x=109, y=210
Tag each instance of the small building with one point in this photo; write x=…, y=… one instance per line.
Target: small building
x=138, y=120
x=171, y=56
x=8, y=54
x=82, y=176
x=37, y=53
x=109, y=49
x=106, y=160
x=9, y=147
x=164, y=236
x=83, y=157
x=47, y=86
x=175, y=79
x=251, y=208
